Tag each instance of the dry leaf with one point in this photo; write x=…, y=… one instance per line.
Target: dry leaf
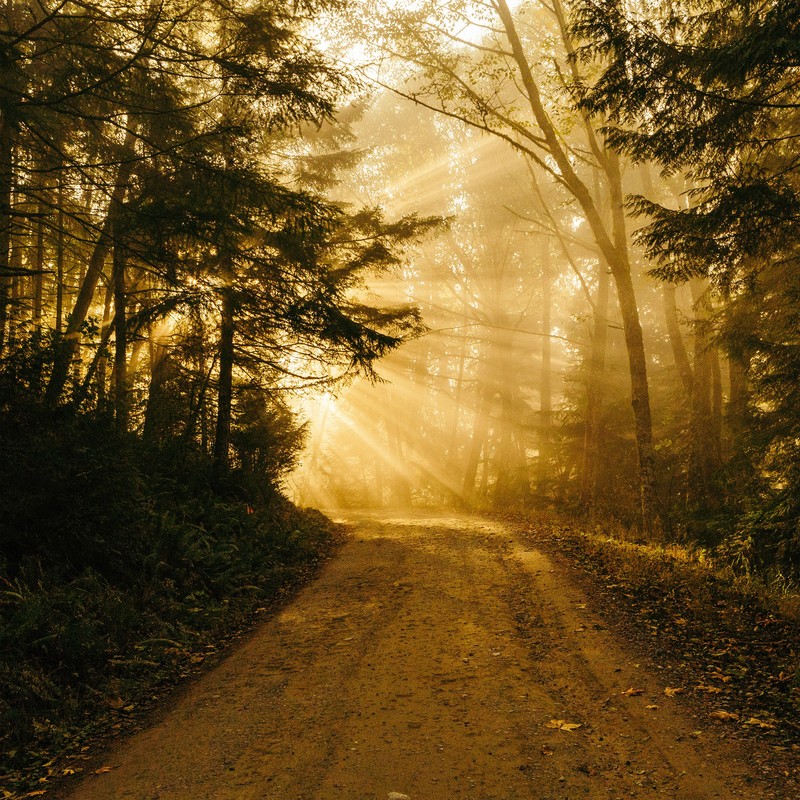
x=651, y=708
x=562, y=725
x=632, y=692
x=718, y=676
x=36, y=793
x=671, y=691
x=759, y=723
x=702, y=687
x=726, y=715
x=546, y=751
x=103, y=770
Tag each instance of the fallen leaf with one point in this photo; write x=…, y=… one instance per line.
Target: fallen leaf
x=759, y=723
x=546, y=751
x=632, y=692
x=671, y=691
x=103, y=770
x=651, y=708
x=36, y=793
x=718, y=676
x=725, y=715
x=702, y=687
x=562, y=725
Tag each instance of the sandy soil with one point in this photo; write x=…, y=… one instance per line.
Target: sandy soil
x=434, y=658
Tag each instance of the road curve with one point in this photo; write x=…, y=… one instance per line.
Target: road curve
x=434, y=658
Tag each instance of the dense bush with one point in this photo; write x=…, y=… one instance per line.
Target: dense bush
x=118, y=563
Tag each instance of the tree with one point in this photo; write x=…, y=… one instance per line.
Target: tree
x=709, y=89
x=155, y=184
x=487, y=83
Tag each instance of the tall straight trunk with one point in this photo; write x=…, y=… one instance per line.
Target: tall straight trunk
x=222, y=436
x=504, y=485
x=401, y=486
x=154, y=412
x=614, y=248
x=15, y=300
x=8, y=136
x=716, y=402
x=676, y=342
x=594, y=391
x=739, y=397
x=480, y=430
x=634, y=342
x=545, y=377
x=38, y=276
x=121, y=410
x=737, y=421
x=59, y=321
x=378, y=481
x=451, y=453
x=101, y=356
x=703, y=458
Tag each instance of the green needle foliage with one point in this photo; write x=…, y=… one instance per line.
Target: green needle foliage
x=708, y=90
x=170, y=271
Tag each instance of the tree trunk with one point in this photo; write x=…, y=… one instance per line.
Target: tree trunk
x=716, y=403
x=8, y=135
x=737, y=416
x=615, y=249
x=15, y=303
x=102, y=356
x=451, y=454
x=94, y=269
x=703, y=462
x=155, y=421
x=594, y=391
x=676, y=339
x=38, y=270
x=121, y=410
x=545, y=378
x=401, y=486
x=222, y=436
x=480, y=430
x=59, y=321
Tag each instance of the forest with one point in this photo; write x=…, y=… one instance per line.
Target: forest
x=259, y=258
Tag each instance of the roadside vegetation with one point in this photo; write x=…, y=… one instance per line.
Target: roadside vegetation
x=174, y=274
x=123, y=567
x=211, y=217
x=725, y=634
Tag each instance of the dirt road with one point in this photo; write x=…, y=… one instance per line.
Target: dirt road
x=435, y=659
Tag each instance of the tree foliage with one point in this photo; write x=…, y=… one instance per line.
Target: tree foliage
x=709, y=90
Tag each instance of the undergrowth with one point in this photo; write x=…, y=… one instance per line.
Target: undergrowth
x=121, y=566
